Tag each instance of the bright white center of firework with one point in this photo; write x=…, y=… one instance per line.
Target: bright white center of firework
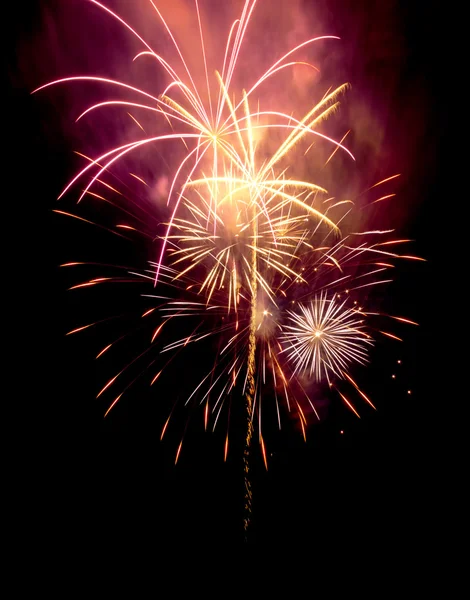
x=265, y=312
x=323, y=337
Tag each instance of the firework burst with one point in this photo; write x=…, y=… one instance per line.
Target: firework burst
x=249, y=254
x=324, y=338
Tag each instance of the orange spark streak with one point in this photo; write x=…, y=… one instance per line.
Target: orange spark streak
x=359, y=390
x=301, y=413
x=206, y=415
x=380, y=182
x=104, y=350
x=412, y=257
x=136, y=121
x=164, y=428
x=155, y=378
x=81, y=285
x=110, y=382
x=394, y=337
x=390, y=242
x=263, y=449
x=139, y=179
x=80, y=328
x=383, y=198
x=337, y=147
x=404, y=320
x=112, y=405
x=61, y=212
x=157, y=331
x=178, y=452
x=349, y=404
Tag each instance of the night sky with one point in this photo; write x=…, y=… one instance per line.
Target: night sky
x=107, y=482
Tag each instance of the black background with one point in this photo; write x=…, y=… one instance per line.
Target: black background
x=83, y=480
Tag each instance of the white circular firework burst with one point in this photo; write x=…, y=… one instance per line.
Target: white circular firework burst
x=325, y=337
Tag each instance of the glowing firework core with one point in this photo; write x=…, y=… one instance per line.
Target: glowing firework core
x=325, y=338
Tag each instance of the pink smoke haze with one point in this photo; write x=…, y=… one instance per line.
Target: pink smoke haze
x=384, y=113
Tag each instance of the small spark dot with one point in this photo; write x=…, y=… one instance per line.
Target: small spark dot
x=393, y=376
x=399, y=362
x=408, y=392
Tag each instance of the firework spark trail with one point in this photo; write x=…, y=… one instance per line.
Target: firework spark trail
x=250, y=384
